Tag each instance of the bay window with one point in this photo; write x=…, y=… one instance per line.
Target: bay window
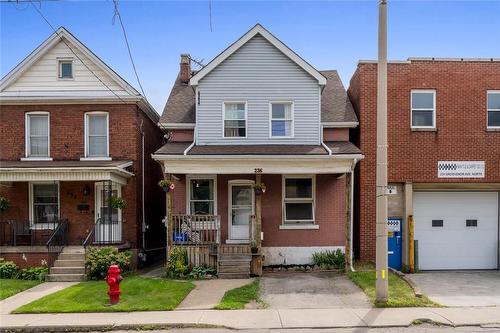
x=298, y=200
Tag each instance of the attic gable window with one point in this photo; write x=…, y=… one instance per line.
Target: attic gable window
x=65, y=69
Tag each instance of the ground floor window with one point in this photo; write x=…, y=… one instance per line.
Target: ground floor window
x=298, y=199
x=201, y=196
x=45, y=202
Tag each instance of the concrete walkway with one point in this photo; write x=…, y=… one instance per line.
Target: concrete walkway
x=11, y=303
x=208, y=293
x=255, y=319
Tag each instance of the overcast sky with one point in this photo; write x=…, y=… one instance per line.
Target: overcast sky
x=328, y=34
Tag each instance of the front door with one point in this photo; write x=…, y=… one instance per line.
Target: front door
x=241, y=208
x=108, y=220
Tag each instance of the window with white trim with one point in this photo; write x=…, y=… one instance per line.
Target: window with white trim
x=298, y=200
x=423, y=109
x=235, y=123
x=65, y=69
x=201, y=196
x=37, y=134
x=493, y=109
x=45, y=202
x=281, y=119
x=96, y=134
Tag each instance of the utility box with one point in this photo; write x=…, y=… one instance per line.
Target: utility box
x=394, y=246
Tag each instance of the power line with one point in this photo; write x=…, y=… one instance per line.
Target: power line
x=117, y=13
x=210, y=13
x=69, y=47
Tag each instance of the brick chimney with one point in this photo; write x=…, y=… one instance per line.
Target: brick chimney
x=185, y=68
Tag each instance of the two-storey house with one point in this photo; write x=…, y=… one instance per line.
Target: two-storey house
x=73, y=137
x=256, y=117
x=443, y=161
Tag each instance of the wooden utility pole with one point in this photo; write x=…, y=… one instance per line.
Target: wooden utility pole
x=382, y=285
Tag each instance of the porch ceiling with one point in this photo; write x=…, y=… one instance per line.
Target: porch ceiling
x=22, y=171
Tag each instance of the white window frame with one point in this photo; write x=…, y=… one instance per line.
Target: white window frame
x=86, y=145
x=488, y=110
x=302, y=224
x=433, y=92
x=34, y=225
x=61, y=61
x=292, y=119
x=27, y=143
x=188, y=190
x=224, y=120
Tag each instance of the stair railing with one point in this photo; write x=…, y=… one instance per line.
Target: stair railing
x=57, y=241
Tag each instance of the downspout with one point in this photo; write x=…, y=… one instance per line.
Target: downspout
x=323, y=143
x=144, y=227
x=355, y=161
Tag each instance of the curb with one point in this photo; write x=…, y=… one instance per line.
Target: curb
x=103, y=328
x=416, y=289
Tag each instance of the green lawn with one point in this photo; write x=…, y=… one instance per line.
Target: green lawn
x=237, y=298
x=138, y=294
x=400, y=293
x=9, y=287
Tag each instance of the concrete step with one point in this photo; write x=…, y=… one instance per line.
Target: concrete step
x=67, y=270
x=71, y=256
x=69, y=263
x=65, y=277
x=233, y=276
x=74, y=249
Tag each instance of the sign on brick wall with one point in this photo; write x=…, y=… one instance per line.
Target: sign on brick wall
x=461, y=169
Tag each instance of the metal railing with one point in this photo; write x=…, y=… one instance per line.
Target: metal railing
x=57, y=240
x=103, y=233
x=195, y=229
x=26, y=233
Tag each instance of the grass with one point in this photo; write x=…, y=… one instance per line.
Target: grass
x=237, y=298
x=9, y=287
x=400, y=293
x=138, y=294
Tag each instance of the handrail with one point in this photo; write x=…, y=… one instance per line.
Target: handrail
x=60, y=226
x=57, y=241
x=89, y=236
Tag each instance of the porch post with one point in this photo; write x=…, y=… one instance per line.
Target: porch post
x=348, y=212
x=258, y=211
x=168, y=217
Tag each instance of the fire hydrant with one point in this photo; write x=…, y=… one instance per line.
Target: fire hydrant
x=113, y=279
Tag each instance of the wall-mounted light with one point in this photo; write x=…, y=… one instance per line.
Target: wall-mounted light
x=86, y=190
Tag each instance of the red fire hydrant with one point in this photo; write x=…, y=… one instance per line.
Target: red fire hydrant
x=113, y=279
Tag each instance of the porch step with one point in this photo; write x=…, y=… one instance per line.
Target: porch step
x=69, y=266
x=234, y=265
x=65, y=277
x=69, y=263
x=71, y=256
x=67, y=270
x=233, y=276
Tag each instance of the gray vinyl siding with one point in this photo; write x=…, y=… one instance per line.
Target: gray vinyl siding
x=258, y=73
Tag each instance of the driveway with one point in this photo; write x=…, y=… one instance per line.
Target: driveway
x=325, y=290
x=460, y=288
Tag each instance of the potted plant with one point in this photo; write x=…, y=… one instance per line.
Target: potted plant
x=4, y=204
x=167, y=185
x=253, y=246
x=117, y=203
x=259, y=188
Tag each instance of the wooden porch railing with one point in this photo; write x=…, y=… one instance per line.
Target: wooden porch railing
x=195, y=229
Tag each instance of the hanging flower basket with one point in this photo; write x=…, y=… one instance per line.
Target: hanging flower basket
x=167, y=185
x=117, y=203
x=259, y=188
x=4, y=204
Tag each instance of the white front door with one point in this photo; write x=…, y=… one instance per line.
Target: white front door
x=108, y=220
x=241, y=208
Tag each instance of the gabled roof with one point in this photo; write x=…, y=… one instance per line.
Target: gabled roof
x=62, y=35
x=258, y=30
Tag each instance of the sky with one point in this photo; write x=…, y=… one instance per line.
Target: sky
x=328, y=34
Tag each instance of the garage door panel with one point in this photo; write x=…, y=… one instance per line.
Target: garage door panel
x=454, y=245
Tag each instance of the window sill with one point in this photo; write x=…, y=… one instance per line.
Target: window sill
x=423, y=129
x=493, y=129
x=299, y=227
x=36, y=159
x=95, y=158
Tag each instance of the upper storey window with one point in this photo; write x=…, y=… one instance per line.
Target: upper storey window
x=37, y=134
x=96, y=135
x=493, y=106
x=423, y=109
x=235, y=120
x=65, y=69
x=281, y=119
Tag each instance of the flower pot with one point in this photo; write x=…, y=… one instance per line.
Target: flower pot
x=166, y=188
x=258, y=191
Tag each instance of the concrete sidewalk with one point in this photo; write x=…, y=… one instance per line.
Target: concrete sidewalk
x=254, y=319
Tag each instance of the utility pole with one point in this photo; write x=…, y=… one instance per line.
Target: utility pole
x=382, y=284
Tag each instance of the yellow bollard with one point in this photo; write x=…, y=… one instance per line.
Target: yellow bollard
x=411, y=244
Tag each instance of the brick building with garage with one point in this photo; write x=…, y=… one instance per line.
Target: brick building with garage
x=444, y=159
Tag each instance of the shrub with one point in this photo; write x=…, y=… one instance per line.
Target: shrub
x=33, y=273
x=202, y=272
x=177, y=263
x=100, y=258
x=329, y=259
x=8, y=269
x=4, y=204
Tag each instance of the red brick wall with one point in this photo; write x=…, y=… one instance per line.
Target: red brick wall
x=330, y=210
x=27, y=259
x=336, y=134
x=460, y=119
x=186, y=135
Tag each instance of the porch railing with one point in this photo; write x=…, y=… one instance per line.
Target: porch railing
x=195, y=229
x=26, y=233
x=104, y=232
x=57, y=240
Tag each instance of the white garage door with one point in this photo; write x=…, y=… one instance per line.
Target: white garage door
x=456, y=230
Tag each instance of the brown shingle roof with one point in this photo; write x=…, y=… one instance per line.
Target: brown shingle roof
x=62, y=164
x=335, y=105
